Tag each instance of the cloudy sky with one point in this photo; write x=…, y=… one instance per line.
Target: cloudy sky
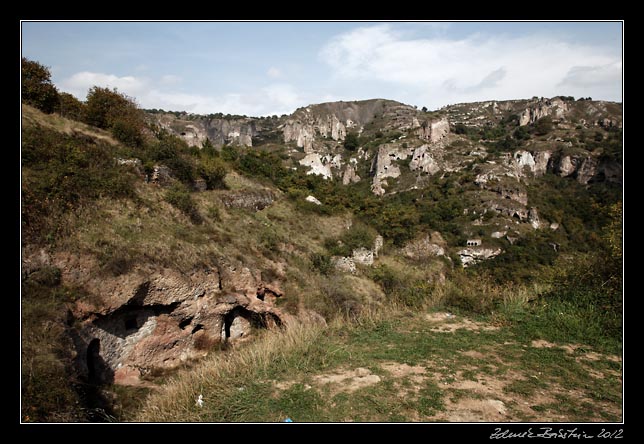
x=265, y=68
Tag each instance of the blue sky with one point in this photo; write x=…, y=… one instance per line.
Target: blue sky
x=265, y=68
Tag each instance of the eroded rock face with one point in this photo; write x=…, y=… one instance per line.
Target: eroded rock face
x=385, y=166
x=350, y=175
x=316, y=165
x=474, y=255
x=433, y=130
x=220, y=131
x=249, y=200
x=157, y=318
x=425, y=247
x=556, y=108
x=424, y=160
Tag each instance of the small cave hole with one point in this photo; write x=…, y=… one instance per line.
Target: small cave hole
x=131, y=323
x=183, y=324
x=183, y=134
x=197, y=328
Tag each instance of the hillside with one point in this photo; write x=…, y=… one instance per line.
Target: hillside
x=322, y=264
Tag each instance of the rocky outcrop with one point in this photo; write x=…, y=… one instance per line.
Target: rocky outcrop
x=220, y=131
x=556, y=108
x=317, y=165
x=433, y=130
x=533, y=218
x=313, y=200
x=588, y=169
x=384, y=166
x=423, y=159
x=344, y=264
x=162, y=176
x=425, y=247
x=362, y=256
x=350, y=175
x=474, y=255
x=249, y=200
x=156, y=318
x=541, y=162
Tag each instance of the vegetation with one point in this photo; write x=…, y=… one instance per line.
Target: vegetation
x=85, y=193
x=351, y=141
x=37, y=89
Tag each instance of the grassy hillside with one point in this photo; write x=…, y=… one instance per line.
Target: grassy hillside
x=533, y=335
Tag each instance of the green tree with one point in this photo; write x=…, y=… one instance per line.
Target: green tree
x=109, y=109
x=70, y=107
x=37, y=89
x=351, y=141
x=543, y=126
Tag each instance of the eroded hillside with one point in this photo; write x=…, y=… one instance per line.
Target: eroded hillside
x=144, y=255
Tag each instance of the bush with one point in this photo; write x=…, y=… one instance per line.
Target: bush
x=543, y=126
x=351, y=141
x=169, y=151
x=70, y=107
x=179, y=197
x=321, y=262
x=37, y=89
x=213, y=171
x=128, y=131
x=359, y=235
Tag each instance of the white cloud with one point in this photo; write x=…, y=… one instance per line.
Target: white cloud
x=169, y=79
x=276, y=98
x=79, y=83
x=274, y=73
x=438, y=71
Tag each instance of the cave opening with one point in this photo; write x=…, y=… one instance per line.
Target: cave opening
x=93, y=361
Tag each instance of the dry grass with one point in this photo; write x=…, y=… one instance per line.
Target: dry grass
x=220, y=377
x=33, y=117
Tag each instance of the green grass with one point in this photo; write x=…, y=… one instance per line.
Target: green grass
x=243, y=387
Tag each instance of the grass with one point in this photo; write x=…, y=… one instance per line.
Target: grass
x=278, y=376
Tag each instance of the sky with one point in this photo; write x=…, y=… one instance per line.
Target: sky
x=273, y=68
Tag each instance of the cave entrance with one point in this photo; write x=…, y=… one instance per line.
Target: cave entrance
x=93, y=361
x=236, y=325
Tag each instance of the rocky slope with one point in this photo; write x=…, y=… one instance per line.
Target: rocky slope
x=506, y=145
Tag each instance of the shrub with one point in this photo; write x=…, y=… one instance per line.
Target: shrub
x=351, y=141
x=321, y=262
x=179, y=197
x=128, y=131
x=543, y=126
x=37, y=89
x=169, y=151
x=213, y=171
x=70, y=107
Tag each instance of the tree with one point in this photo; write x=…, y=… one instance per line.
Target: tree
x=37, y=89
x=543, y=126
x=109, y=109
x=351, y=141
x=70, y=107
x=424, y=109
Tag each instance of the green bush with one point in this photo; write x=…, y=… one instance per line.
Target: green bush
x=359, y=235
x=213, y=171
x=543, y=126
x=351, y=141
x=37, y=89
x=179, y=197
x=70, y=107
x=321, y=262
